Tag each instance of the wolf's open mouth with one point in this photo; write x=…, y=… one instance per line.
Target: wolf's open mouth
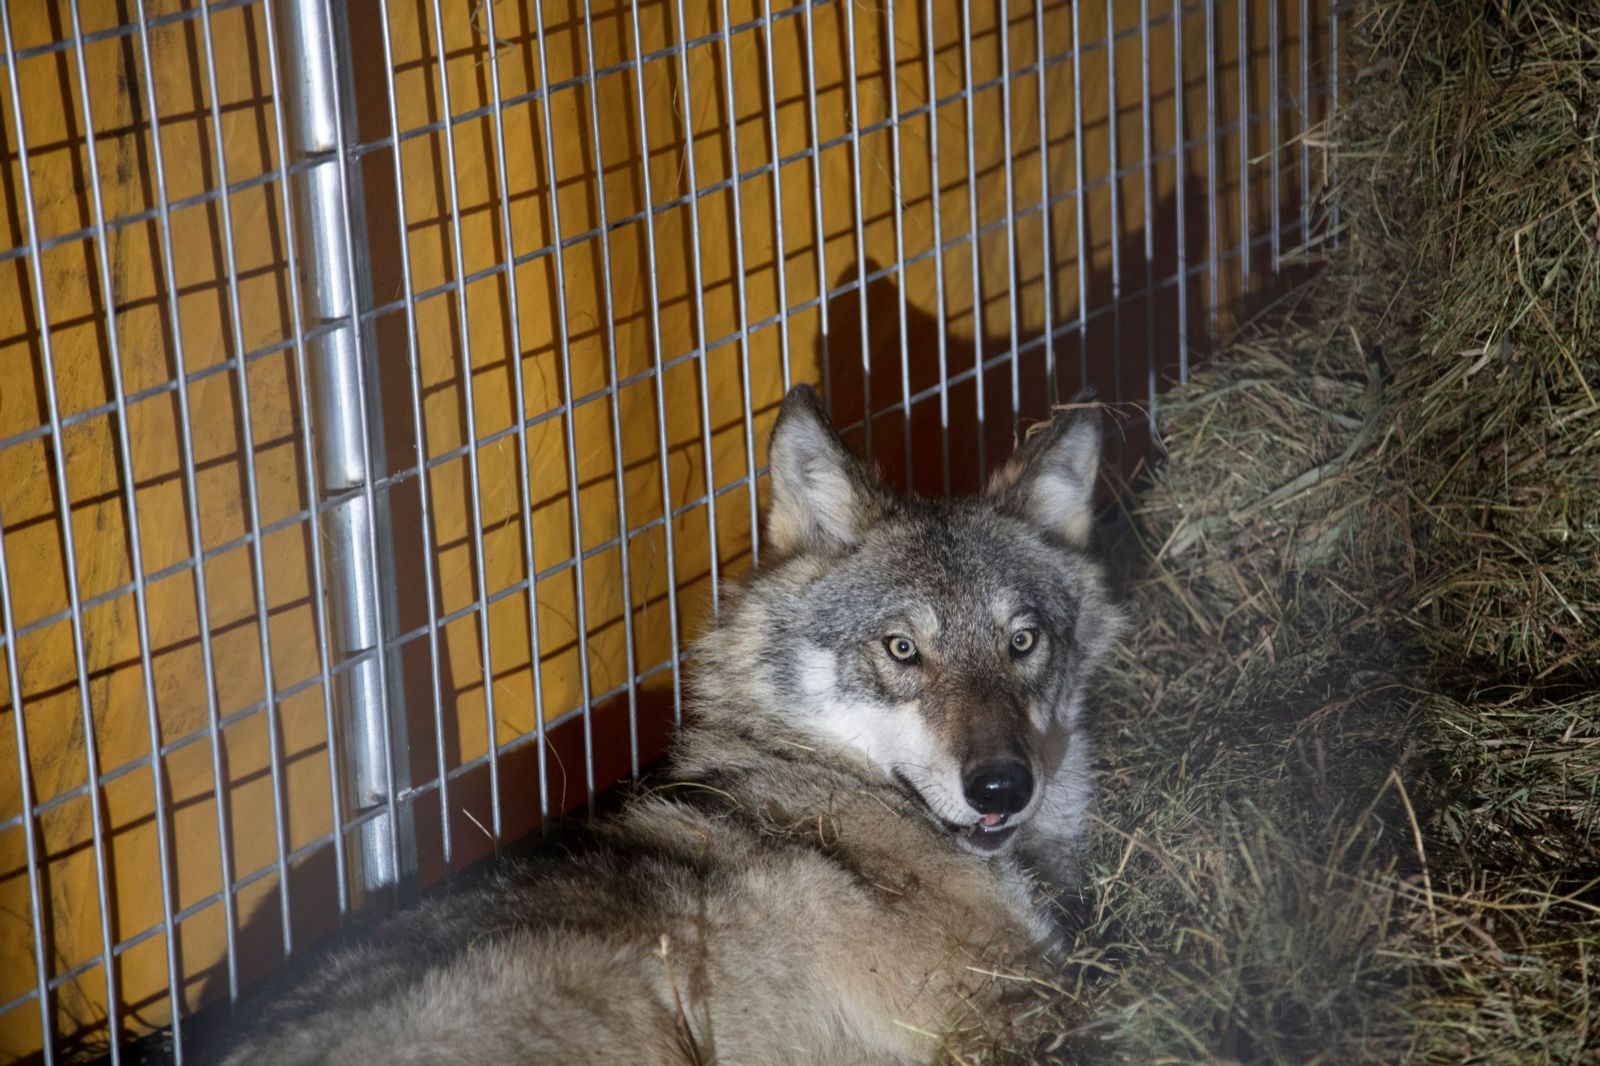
x=978, y=836
x=987, y=838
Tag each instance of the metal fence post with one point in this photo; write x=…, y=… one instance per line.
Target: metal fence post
x=371, y=712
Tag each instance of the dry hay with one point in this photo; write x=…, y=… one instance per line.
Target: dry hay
x=1352, y=781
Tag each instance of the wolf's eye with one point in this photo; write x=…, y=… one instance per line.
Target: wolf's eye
x=1023, y=642
x=901, y=649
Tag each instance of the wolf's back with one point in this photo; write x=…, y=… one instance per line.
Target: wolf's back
x=781, y=906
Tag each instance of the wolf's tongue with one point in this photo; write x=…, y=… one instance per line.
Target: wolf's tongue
x=989, y=821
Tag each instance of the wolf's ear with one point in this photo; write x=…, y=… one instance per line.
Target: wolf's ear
x=822, y=499
x=1050, y=480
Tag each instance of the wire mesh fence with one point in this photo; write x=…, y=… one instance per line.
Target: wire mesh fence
x=384, y=388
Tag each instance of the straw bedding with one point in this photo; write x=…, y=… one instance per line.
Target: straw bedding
x=1351, y=804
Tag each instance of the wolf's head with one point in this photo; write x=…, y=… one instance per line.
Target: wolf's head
x=946, y=642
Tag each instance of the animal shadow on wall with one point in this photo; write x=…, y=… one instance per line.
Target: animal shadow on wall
x=1132, y=338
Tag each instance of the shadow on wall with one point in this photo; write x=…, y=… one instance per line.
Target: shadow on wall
x=1129, y=347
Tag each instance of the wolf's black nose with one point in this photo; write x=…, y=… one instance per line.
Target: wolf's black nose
x=998, y=788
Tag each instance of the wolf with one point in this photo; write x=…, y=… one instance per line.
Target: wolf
x=854, y=848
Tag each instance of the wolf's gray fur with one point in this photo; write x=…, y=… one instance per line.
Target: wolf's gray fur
x=883, y=770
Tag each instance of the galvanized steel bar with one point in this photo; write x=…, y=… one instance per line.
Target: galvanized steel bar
x=1305, y=123
x=1213, y=216
x=68, y=547
x=713, y=552
x=474, y=473
x=973, y=235
x=897, y=191
x=856, y=164
x=1180, y=142
x=935, y=192
x=819, y=234
x=383, y=831
x=420, y=443
x=1333, y=107
x=1047, y=262
x=1244, y=148
x=659, y=379
x=608, y=311
x=1114, y=166
x=319, y=596
x=563, y=342
x=314, y=99
x=743, y=305
x=1079, y=192
x=520, y=407
x=257, y=548
x=1147, y=158
x=1013, y=293
x=190, y=482
x=30, y=831
x=779, y=252
x=1275, y=135
x=130, y=500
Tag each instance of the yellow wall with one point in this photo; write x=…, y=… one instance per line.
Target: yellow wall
x=30, y=503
